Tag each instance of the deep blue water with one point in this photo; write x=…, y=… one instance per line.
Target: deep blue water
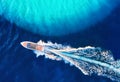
x=18, y=64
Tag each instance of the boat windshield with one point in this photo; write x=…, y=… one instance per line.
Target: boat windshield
x=31, y=46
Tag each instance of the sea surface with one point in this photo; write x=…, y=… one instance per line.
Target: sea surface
x=18, y=64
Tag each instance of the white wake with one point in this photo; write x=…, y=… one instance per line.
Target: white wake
x=90, y=60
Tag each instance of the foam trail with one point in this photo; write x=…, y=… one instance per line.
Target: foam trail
x=90, y=60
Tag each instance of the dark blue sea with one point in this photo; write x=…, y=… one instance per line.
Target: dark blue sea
x=18, y=64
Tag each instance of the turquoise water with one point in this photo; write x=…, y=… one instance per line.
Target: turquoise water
x=53, y=17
